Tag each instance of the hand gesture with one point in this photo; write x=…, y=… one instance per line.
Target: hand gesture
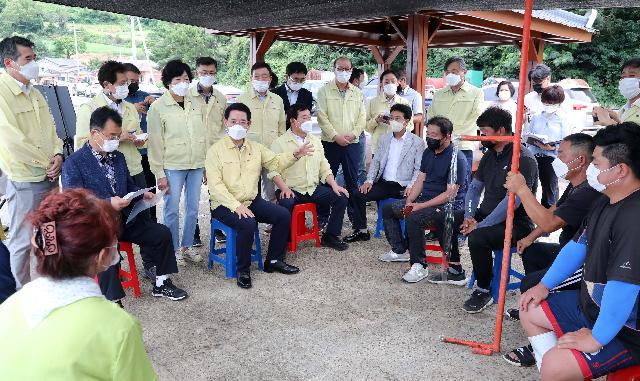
x=305, y=150
x=163, y=184
x=533, y=297
x=141, y=107
x=341, y=140
x=286, y=193
x=147, y=196
x=55, y=166
x=522, y=244
x=581, y=340
x=149, y=99
x=515, y=182
x=407, y=192
x=380, y=119
x=244, y=212
x=366, y=187
x=337, y=189
x=119, y=203
x=468, y=225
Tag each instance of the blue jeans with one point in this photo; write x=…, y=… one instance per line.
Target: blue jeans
x=190, y=180
x=362, y=172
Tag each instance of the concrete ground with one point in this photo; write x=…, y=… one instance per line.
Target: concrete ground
x=345, y=316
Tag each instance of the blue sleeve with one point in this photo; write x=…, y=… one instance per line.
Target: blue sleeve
x=618, y=300
x=570, y=259
x=499, y=214
x=472, y=199
x=71, y=177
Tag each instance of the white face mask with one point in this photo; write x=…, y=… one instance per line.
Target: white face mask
x=237, y=132
x=453, y=79
x=109, y=145
x=30, y=71
x=260, y=86
x=121, y=92
x=550, y=109
x=561, y=168
x=294, y=86
x=307, y=127
x=390, y=89
x=592, y=178
x=629, y=87
x=180, y=89
x=343, y=76
x=396, y=126
x=504, y=95
x=207, y=80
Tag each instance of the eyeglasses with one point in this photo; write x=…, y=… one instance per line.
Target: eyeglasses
x=343, y=69
x=107, y=137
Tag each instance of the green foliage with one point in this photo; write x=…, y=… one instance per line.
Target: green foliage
x=65, y=47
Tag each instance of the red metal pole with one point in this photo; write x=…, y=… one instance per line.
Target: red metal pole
x=482, y=348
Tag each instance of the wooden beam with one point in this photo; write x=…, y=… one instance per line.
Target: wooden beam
x=482, y=25
x=253, y=48
x=377, y=54
x=400, y=32
x=543, y=26
x=393, y=55
x=334, y=37
x=265, y=43
x=434, y=25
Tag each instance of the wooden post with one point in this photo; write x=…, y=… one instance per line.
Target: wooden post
x=417, y=45
x=534, y=57
x=259, y=44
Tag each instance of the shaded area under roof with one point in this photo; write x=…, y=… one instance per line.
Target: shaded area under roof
x=234, y=15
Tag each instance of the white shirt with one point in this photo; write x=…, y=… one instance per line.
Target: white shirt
x=414, y=98
x=292, y=95
x=114, y=106
x=393, y=159
x=510, y=106
x=25, y=88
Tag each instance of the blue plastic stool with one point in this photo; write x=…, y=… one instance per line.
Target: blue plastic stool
x=379, y=225
x=497, y=269
x=230, y=261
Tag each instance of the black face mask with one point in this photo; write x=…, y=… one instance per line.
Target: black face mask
x=433, y=144
x=488, y=144
x=537, y=87
x=133, y=88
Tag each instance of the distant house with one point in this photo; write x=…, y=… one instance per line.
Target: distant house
x=61, y=69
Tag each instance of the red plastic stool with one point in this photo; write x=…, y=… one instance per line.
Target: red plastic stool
x=441, y=260
x=627, y=374
x=128, y=279
x=299, y=230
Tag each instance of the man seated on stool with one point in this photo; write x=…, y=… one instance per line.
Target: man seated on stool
x=425, y=207
x=393, y=171
x=100, y=168
x=233, y=167
x=299, y=183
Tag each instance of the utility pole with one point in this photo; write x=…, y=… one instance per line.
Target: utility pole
x=75, y=43
x=134, y=50
x=146, y=50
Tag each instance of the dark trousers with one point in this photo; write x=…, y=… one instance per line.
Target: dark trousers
x=468, y=154
x=150, y=179
x=483, y=241
x=380, y=190
x=349, y=157
x=548, y=180
x=265, y=212
x=324, y=197
x=415, y=224
x=537, y=259
x=156, y=249
x=7, y=283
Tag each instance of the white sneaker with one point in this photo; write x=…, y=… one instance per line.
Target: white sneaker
x=416, y=273
x=192, y=256
x=391, y=256
x=179, y=259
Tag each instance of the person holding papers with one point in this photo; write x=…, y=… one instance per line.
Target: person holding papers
x=100, y=168
x=543, y=137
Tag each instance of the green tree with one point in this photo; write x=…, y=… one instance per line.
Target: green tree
x=64, y=46
x=22, y=17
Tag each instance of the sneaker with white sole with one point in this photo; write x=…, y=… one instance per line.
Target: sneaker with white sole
x=459, y=279
x=179, y=258
x=192, y=256
x=477, y=302
x=392, y=256
x=416, y=273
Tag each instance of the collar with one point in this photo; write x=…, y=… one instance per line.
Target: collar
x=334, y=86
x=403, y=137
x=507, y=150
x=465, y=87
x=109, y=101
x=286, y=86
x=231, y=145
x=254, y=93
x=44, y=295
x=293, y=137
x=445, y=151
x=168, y=99
x=200, y=89
x=23, y=88
x=98, y=155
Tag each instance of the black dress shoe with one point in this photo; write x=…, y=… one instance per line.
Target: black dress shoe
x=244, y=280
x=280, y=267
x=333, y=242
x=357, y=236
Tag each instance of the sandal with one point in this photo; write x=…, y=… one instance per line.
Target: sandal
x=524, y=357
x=512, y=314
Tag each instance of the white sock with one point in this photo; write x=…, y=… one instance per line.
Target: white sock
x=160, y=280
x=541, y=344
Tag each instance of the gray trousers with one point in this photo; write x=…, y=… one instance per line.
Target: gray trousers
x=22, y=199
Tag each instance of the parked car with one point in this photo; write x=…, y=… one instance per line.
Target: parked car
x=232, y=93
x=81, y=89
x=94, y=89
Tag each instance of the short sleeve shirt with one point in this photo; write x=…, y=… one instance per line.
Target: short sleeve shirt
x=612, y=235
x=573, y=206
x=492, y=171
x=437, y=168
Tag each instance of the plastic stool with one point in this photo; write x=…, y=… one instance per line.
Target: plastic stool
x=230, y=261
x=299, y=230
x=441, y=260
x=128, y=279
x=497, y=268
x=627, y=374
x=379, y=225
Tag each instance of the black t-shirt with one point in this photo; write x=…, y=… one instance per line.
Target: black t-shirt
x=572, y=208
x=492, y=171
x=612, y=235
x=437, y=167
